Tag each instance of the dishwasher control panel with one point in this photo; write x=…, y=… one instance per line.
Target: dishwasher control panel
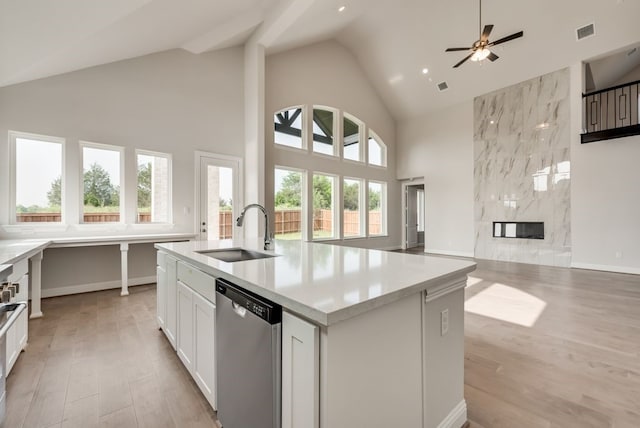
x=257, y=305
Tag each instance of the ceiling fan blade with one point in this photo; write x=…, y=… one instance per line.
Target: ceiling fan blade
x=485, y=33
x=461, y=62
x=506, y=39
x=492, y=57
x=456, y=49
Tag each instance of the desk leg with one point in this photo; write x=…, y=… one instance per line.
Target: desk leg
x=36, y=285
x=124, y=249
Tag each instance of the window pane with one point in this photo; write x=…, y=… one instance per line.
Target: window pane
x=377, y=208
x=288, y=204
x=288, y=128
x=323, y=131
x=153, y=189
x=101, y=170
x=38, y=181
x=352, y=191
x=377, y=153
x=351, y=140
x=219, y=202
x=323, y=206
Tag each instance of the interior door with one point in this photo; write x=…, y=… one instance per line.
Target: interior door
x=219, y=196
x=411, y=211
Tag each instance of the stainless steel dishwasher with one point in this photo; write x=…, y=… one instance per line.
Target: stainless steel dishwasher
x=248, y=360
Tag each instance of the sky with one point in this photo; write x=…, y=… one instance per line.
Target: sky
x=38, y=164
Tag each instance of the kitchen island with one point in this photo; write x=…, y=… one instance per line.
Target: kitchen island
x=369, y=338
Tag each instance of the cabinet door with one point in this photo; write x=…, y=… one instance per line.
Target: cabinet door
x=204, y=365
x=161, y=295
x=300, y=373
x=11, y=347
x=185, y=326
x=22, y=323
x=171, y=320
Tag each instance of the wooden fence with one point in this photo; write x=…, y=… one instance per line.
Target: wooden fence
x=286, y=221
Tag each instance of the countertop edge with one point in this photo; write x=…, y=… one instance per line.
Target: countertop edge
x=326, y=319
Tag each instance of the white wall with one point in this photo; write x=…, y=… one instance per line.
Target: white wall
x=605, y=212
x=172, y=102
x=439, y=147
x=328, y=74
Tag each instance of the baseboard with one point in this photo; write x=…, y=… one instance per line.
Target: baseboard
x=457, y=418
x=449, y=253
x=96, y=286
x=607, y=268
x=392, y=248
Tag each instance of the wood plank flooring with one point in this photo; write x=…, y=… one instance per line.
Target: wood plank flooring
x=98, y=360
x=545, y=347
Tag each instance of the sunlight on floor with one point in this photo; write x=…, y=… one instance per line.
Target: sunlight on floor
x=506, y=303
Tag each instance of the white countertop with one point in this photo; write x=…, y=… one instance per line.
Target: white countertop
x=322, y=282
x=12, y=251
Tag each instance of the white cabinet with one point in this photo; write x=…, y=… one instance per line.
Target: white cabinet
x=17, y=335
x=300, y=373
x=196, y=327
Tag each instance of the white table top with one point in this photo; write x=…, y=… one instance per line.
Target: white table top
x=12, y=251
x=325, y=283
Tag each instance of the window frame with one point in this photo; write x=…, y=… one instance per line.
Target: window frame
x=383, y=209
x=305, y=143
x=383, y=149
x=100, y=146
x=13, y=136
x=335, y=212
x=169, y=158
x=361, y=203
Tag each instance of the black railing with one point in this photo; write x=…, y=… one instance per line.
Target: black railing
x=611, y=112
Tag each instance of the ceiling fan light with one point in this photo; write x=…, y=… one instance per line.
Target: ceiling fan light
x=480, y=54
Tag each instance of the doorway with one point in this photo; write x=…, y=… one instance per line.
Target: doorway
x=219, y=199
x=414, y=216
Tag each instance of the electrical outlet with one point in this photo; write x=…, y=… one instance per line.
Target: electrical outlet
x=444, y=322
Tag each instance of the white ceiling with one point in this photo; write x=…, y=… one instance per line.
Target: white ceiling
x=392, y=39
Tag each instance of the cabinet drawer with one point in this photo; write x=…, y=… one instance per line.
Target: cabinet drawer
x=161, y=258
x=200, y=282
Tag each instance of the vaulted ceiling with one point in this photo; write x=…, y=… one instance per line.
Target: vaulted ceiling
x=393, y=40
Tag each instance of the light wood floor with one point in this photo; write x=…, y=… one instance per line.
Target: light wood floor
x=545, y=347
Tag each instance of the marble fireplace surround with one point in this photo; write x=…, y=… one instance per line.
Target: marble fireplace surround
x=522, y=169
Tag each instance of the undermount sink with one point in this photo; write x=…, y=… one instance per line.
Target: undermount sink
x=235, y=254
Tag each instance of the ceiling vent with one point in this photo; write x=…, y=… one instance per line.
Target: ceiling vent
x=586, y=31
x=442, y=86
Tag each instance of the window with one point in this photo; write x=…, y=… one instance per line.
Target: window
x=154, y=187
x=324, y=190
x=352, y=219
x=377, y=150
x=101, y=183
x=288, y=197
x=377, y=208
x=352, y=149
x=323, y=131
x=288, y=128
x=38, y=178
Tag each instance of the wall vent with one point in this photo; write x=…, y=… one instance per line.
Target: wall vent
x=586, y=31
x=442, y=86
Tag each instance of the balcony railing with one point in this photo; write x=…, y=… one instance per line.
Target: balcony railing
x=611, y=112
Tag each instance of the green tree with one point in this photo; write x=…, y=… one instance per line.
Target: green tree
x=351, y=196
x=144, y=185
x=374, y=200
x=98, y=190
x=322, y=192
x=289, y=194
x=54, y=195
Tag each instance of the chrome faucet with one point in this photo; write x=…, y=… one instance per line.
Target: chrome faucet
x=267, y=236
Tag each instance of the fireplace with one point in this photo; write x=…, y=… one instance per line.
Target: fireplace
x=518, y=229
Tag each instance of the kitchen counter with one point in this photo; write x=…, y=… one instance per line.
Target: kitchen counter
x=12, y=251
x=327, y=283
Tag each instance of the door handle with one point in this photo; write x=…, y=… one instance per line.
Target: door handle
x=239, y=310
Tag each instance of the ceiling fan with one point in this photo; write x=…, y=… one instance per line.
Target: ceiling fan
x=480, y=48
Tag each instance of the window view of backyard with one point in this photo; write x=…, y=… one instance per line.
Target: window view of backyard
x=288, y=204
x=153, y=189
x=38, y=180
x=101, y=185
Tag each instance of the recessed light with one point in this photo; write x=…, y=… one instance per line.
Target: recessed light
x=492, y=122
x=342, y=8
x=425, y=70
